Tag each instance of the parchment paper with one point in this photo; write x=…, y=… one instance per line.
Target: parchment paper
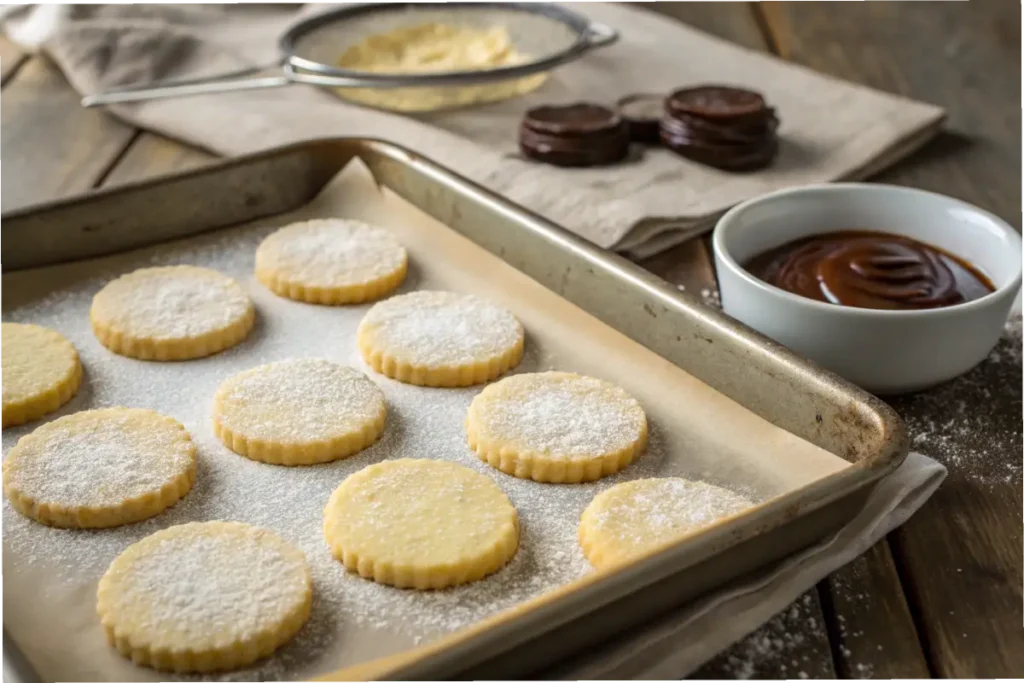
x=50, y=575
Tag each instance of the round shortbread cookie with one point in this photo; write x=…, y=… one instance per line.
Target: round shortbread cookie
x=637, y=516
x=204, y=596
x=171, y=313
x=556, y=427
x=100, y=468
x=421, y=524
x=41, y=372
x=331, y=261
x=298, y=412
x=440, y=339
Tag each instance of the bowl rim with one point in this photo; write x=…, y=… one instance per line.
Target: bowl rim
x=1007, y=289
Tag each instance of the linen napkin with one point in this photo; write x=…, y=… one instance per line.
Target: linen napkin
x=830, y=129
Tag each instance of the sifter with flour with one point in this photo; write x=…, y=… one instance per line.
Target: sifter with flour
x=410, y=57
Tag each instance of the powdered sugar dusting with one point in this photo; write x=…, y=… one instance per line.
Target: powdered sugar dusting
x=353, y=619
x=638, y=515
x=299, y=400
x=437, y=329
x=174, y=302
x=559, y=414
x=330, y=253
x=204, y=584
x=99, y=458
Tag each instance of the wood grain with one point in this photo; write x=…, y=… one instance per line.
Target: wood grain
x=871, y=629
x=151, y=155
x=729, y=20
x=964, y=57
x=960, y=556
x=793, y=644
x=57, y=147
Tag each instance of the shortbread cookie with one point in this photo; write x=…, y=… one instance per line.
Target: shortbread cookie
x=298, y=412
x=331, y=261
x=556, y=427
x=171, y=313
x=421, y=524
x=440, y=339
x=100, y=468
x=204, y=596
x=634, y=517
x=41, y=372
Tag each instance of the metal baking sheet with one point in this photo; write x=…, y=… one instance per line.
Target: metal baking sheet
x=751, y=371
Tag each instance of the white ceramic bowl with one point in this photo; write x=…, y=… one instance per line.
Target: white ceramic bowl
x=885, y=352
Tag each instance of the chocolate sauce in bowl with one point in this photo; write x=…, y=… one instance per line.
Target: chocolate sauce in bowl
x=867, y=269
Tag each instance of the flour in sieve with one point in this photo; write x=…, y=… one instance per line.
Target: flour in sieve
x=422, y=423
x=440, y=328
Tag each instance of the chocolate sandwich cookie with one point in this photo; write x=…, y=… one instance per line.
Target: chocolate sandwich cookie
x=729, y=128
x=642, y=114
x=574, y=135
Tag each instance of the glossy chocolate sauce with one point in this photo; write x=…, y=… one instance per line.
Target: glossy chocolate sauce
x=870, y=270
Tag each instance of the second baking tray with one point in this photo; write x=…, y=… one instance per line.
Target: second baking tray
x=750, y=370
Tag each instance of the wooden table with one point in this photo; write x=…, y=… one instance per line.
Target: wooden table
x=941, y=596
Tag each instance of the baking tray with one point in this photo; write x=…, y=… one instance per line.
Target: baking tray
x=751, y=370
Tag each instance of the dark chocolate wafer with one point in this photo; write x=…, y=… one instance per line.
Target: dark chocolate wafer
x=728, y=128
x=642, y=114
x=574, y=135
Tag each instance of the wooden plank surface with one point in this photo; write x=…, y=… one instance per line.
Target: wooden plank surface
x=151, y=155
x=960, y=556
x=57, y=147
x=794, y=644
x=871, y=628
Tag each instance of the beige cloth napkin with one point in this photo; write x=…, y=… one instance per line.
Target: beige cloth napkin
x=830, y=129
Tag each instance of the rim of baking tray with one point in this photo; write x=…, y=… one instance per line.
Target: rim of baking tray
x=589, y=35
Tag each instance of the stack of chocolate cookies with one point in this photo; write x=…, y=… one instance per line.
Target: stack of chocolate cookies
x=574, y=135
x=729, y=128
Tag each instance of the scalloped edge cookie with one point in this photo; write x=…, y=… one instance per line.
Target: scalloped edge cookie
x=343, y=534
x=135, y=643
x=58, y=392
x=291, y=286
x=387, y=361
x=125, y=343
x=538, y=465
x=128, y=511
x=276, y=452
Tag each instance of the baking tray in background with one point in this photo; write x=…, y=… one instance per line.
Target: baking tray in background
x=748, y=369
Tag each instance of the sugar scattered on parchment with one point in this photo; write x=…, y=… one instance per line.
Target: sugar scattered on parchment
x=421, y=422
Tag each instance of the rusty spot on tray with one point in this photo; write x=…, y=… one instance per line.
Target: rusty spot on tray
x=650, y=311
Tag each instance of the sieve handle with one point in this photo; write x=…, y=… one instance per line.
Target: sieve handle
x=600, y=35
x=200, y=86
